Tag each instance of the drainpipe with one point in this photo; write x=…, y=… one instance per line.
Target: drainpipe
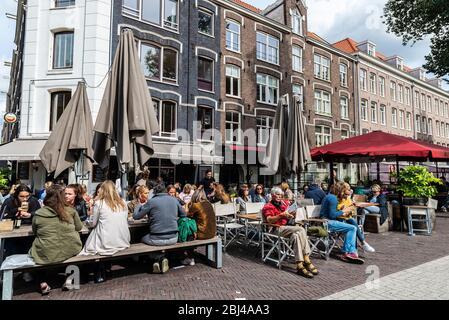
x=415, y=134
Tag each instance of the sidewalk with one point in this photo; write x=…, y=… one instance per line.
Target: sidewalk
x=244, y=276
x=429, y=281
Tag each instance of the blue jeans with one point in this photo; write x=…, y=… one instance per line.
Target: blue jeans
x=360, y=234
x=350, y=232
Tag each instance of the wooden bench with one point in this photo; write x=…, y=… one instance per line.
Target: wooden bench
x=213, y=255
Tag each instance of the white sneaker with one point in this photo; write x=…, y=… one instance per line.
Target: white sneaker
x=368, y=248
x=192, y=262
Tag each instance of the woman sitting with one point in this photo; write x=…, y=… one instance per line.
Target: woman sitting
x=110, y=232
x=275, y=212
x=219, y=195
x=345, y=201
x=201, y=210
x=74, y=198
x=142, y=193
x=243, y=199
x=259, y=195
x=56, y=227
x=186, y=194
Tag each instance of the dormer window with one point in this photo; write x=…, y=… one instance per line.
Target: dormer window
x=422, y=75
x=400, y=63
x=371, y=49
x=296, y=22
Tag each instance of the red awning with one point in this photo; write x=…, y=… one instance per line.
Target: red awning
x=379, y=144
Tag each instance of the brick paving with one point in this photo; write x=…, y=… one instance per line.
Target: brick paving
x=244, y=276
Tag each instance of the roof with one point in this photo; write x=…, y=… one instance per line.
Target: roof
x=349, y=45
x=247, y=6
x=313, y=35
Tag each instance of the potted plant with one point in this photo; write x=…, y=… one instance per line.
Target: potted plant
x=417, y=185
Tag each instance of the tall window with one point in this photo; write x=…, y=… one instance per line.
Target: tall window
x=373, y=112
x=64, y=3
x=298, y=90
x=446, y=110
x=59, y=101
x=429, y=126
x=447, y=130
x=401, y=93
x=170, y=14
x=364, y=110
x=297, y=58
x=166, y=115
x=205, y=74
x=322, y=67
x=323, y=135
x=264, y=124
x=424, y=125
x=232, y=36
x=63, y=50
x=363, y=80
x=205, y=117
x=267, y=89
x=408, y=123
x=344, y=108
x=407, y=96
x=394, y=118
x=382, y=86
x=323, y=102
x=233, y=131
x=417, y=99
x=297, y=22
x=435, y=106
x=401, y=119
x=441, y=109
x=131, y=7
x=233, y=80
x=393, y=90
x=418, y=123
x=372, y=83
x=343, y=75
x=206, y=22
x=423, y=101
x=429, y=104
x=437, y=127
x=382, y=113
x=159, y=63
x=267, y=48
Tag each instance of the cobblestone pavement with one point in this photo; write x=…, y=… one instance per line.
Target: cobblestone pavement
x=429, y=281
x=244, y=276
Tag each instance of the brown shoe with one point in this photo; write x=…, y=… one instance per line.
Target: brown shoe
x=310, y=267
x=302, y=271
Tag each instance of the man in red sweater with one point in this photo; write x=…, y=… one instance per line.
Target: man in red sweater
x=276, y=212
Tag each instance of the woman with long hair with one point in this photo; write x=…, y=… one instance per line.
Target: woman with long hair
x=142, y=193
x=201, y=210
x=219, y=194
x=110, y=232
x=74, y=198
x=186, y=194
x=243, y=198
x=21, y=205
x=259, y=195
x=56, y=227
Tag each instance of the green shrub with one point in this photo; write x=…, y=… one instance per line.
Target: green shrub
x=417, y=182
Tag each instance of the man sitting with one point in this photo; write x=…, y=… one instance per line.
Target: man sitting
x=276, y=213
x=163, y=212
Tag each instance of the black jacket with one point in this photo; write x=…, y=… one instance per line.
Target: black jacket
x=9, y=209
x=81, y=208
x=206, y=184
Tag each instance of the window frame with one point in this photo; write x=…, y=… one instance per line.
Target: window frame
x=344, y=108
x=53, y=107
x=138, y=15
x=364, y=110
x=204, y=80
x=58, y=33
x=160, y=105
x=323, y=102
x=162, y=50
x=343, y=75
x=373, y=111
x=232, y=82
x=297, y=17
x=319, y=67
x=206, y=11
x=233, y=34
x=363, y=80
x=239, y=126
x=298, y=59
x=383, y=114
x=268, y=120
x=394, y=117
x=268, y=47
x=267, y=87
x=323, y=135
x=373, y=83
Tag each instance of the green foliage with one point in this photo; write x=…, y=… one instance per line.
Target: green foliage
x=417, y=182
x=414, y=20
x=347, y=179
x=4, y=182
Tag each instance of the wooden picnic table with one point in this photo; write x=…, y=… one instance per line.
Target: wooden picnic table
x=27, y=231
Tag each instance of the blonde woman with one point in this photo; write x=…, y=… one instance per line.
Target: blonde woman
x=288, y=194
x=110, y=232
x=142, y=193
x=186, y=193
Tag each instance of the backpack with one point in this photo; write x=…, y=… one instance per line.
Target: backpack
x=186, y=229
